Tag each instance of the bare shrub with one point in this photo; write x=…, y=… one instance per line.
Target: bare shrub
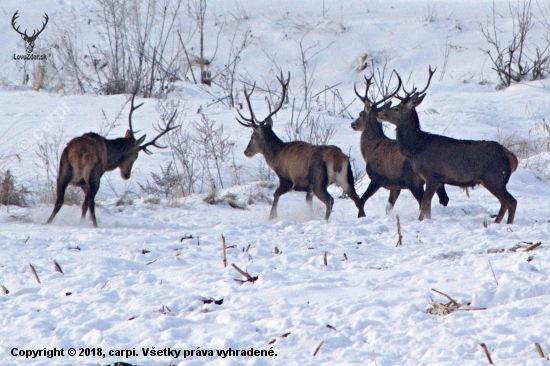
x=166, y=184
x=11, y=193
x=309, y=128
x=513, y=60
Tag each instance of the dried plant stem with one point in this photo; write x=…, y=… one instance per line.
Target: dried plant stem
x=539, y=350
x=484, y=347
x=6, y=291
x=248, y=277
x=534, y=246
x=318, y=348
x=276, y=250
x=447, y=296
x=57, y=267
x=223, y=251
x=399, y=236
x=493, y=272
x=325, y=259
x=34, y=273
x=345, y=257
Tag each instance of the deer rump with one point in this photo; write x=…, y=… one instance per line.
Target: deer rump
x=463, y=163
x=82, y=155
x=305, y=165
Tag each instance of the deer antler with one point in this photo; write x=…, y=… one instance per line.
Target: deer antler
x=24, y=34
x=414, y=92
x=162, y=131
x=429, y=79
x=365, y=99
x=132, y=109
x=253, y=121
x=13, y=19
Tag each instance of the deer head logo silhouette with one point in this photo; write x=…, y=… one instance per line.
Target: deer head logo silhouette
x=29, y=40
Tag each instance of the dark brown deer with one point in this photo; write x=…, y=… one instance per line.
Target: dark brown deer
x=86, y=158
x=387, y=167
x=299, y=165
x=444, y=160
x=29, y=40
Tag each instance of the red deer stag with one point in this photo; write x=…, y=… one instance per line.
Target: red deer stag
x=387, y=167
x=299, y=165
x=444, y=160
x=87, y=157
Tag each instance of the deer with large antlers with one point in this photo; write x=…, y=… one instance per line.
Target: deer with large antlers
x=29, y=40
x=299, y=165
x=444, y=160
x=86, y=158
x=387, y=167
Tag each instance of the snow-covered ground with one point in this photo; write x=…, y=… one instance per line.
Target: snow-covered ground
x=146, y=277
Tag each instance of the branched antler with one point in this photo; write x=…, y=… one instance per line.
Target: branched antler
x=162, y=131
x=373, y=104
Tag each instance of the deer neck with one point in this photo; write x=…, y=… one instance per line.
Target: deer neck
x=371, y=137
x=409, y=135
x=117, y=150
x=273, y=146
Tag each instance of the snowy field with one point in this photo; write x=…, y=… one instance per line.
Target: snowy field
x=151, y=276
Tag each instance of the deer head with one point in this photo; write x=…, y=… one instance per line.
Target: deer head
x=29, y=40
x=368, y=116
x=133, y=146
x=262, y=133
x=409, y=102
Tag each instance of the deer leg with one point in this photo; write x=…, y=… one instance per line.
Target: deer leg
x=426, y=206
x=284, y=187
x=394, y=194
x=442, y=194
x=85, y=204
x=92, y=191
x=371, y=190
x=349, y=188
x=309, y=199
x=319, y=180
x=414, y=183
x=64, y=178
x=507, y=202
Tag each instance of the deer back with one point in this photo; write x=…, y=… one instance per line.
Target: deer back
x=84, y=153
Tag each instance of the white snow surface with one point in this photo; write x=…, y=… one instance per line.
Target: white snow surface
x=136, y=283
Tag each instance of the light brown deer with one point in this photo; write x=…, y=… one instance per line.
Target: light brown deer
x=299, y=165
x=444, y=160
x=86, y=158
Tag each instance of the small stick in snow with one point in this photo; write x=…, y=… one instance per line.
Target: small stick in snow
x=248, y=277
x=6, y=291
x=26, y=240
x=57, y=267
x=534, y=246
x=247, y=248
x=34, y=273
x=484, y=222
x=318, y=348
x=399, y=236
x=490, y=266
x=223, y=251
x=276, y=250
x=538, y=348
x=447, y=296
x=487, y=353
x=345, y=257
x=325, y=259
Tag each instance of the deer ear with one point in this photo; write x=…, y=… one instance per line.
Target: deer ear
x=140, y=141
x=417, y=100
x=128, y=135
x=269, y=122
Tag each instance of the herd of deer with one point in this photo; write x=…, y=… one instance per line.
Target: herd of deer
x=415, y=159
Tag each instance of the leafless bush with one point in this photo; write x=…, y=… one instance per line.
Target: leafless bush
x=166, y=184
x=513, y=60
x=12, y=193
x=49, y=152
x=430, y=14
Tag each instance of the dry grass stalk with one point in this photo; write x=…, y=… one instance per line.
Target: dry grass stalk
x=26, y=240
x=34, y=273
x=399, y=236
x=467, y=192
x=493, y=272
x=318, y=348
x=438, y=308
x=345, y=257
x=484, y=222
x=57, y=267
x=325, y=259
x=487, y=353
x=276, y=250
x=5, y=290
x=532, y=247
x=538, y=348
x=223, y=251
x=248, y=277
